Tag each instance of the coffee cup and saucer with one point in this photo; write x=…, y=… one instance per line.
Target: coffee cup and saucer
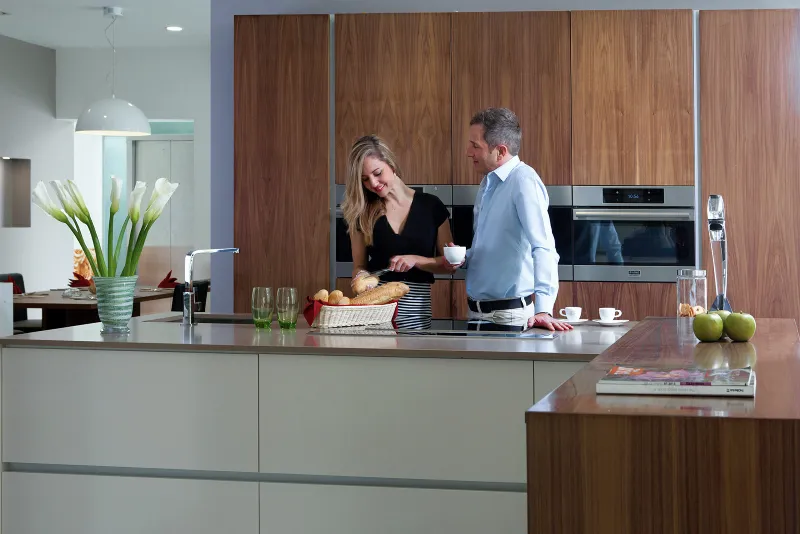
x=608, y=317
x=572, y=314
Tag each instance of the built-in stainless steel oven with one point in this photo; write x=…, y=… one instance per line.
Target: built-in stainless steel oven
x=633, y=234
x=560, y=211
x=344, y=254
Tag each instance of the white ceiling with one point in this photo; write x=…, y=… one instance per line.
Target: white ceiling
x=80, y=23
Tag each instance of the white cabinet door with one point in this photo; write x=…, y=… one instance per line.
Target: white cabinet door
x=82, y=504
x=423, y=418
x=171, y=410
x=547, y=376
x=310, y=509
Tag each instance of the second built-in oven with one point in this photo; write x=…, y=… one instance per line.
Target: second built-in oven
x=633, y=234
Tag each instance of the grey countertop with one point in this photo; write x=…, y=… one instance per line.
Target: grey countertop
x=161, y=333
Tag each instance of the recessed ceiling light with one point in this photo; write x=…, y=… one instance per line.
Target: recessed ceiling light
x=6, y=157
x=174, y=29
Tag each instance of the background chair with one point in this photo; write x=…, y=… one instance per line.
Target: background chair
x=201, y=288
x=21, y=321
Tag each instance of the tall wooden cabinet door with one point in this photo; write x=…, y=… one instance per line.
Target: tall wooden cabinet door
x=393, y=80
x=750, y=132
x=281, y=190
x=519, y=61
x=565, y=297
x=636, y=300
x=632, y=107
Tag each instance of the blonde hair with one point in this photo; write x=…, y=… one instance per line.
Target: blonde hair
x=361, y=207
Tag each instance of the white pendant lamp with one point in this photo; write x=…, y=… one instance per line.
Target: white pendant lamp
x=113, y=116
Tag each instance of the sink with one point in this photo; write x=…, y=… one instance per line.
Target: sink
x=207, y=318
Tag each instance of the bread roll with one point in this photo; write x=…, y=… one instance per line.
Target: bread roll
x=364, y=283
x=321, y=295
x=335, y=297
x=383, y=294
x=344, y=301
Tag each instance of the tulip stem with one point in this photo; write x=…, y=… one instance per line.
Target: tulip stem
x=112, y=271
x=131, y=240
x=137, y=250
x=76, y=231
x=118, y=248
x=98, y=249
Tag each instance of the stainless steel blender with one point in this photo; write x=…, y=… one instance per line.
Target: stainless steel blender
x=719, y=251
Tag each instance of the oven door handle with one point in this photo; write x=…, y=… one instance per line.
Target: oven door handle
x=632, y=214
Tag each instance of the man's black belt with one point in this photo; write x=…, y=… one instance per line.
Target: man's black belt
x=488, y=306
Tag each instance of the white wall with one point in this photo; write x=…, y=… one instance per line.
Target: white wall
x=88, y=175
x=29, y=129
x=165, y=83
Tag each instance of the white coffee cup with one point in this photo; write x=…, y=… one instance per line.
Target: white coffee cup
x=609, y=314
x=572, y=313
x=455, y=255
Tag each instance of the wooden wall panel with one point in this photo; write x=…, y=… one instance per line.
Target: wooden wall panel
x=632, y=98
x=520, y=61
x=636, y=300
x=281, y=145
x=461, y=310
x=393, y=80
x=750, y=133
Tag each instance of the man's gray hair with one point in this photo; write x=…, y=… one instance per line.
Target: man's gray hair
x=500, y=127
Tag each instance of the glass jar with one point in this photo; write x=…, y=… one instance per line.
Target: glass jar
x=691, y=292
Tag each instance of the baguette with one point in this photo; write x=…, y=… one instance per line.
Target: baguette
x=383, y=294
x=363, y=284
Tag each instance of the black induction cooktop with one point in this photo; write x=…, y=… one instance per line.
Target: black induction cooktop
x=451, y=329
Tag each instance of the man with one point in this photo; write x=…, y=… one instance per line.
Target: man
x=512, y=266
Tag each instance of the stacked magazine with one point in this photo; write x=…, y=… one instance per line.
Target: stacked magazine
x=629, y=380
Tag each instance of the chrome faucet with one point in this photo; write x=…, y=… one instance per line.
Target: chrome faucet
x=189, y=303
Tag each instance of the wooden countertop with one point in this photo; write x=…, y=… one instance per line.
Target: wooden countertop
x=625, y=464
x=156, y=333
x=774, y=353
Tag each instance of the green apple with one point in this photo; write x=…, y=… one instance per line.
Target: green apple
x=707, y=326
x=740, y=326
x=722, y=313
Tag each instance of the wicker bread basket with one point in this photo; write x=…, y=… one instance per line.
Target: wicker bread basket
x=338, y=316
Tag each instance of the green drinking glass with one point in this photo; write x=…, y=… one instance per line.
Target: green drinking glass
x=288, y=307
x=262, y=306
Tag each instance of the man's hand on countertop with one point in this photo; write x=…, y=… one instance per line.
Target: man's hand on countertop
x=548, y=322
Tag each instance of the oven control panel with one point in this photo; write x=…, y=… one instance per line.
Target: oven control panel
x=613, y=195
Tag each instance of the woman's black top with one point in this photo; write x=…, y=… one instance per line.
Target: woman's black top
x=425, y=216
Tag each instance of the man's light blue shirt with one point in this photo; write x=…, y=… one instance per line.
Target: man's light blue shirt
x=513, y=252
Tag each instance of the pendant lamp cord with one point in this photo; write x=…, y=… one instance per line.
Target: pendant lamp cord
x=111, y=42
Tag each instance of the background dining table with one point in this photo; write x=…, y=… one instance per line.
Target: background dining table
x=59, y=311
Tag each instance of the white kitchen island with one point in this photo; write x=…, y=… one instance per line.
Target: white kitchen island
x=224, y=429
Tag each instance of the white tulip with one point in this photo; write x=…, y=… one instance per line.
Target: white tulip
x=135, y=201
x=64, y=197
x=41, y=198
x=77, y=197
x=116, y=188
x=162, y=192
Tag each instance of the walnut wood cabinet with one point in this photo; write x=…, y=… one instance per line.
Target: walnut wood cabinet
x=392, y=78
x=632, y=101
x=281, y=223
x=520, y=61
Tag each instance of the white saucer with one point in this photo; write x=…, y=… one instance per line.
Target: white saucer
x=579, y=321
x=614, y=322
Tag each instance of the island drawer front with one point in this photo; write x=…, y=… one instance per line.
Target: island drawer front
x=313, y=509
x=405, y=418
x=34, y=503
x=169, y=410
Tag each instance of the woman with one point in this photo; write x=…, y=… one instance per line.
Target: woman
x=392, y=226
